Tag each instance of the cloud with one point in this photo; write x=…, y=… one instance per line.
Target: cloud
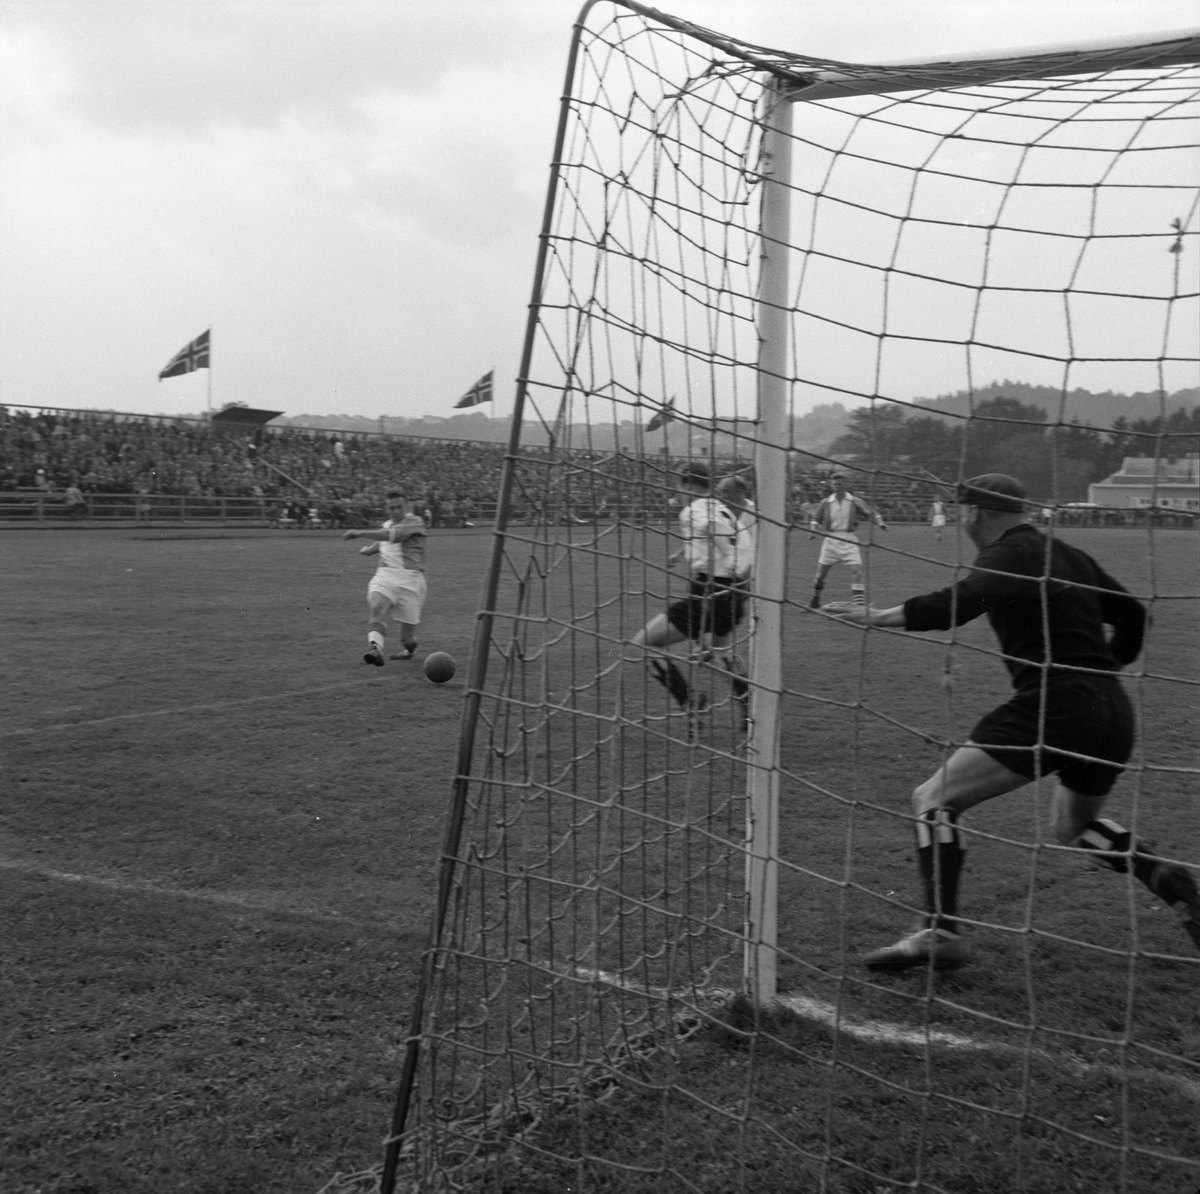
x=343, y=249
x=349, y=193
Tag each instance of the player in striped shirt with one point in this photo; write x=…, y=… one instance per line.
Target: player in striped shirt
x=398, y=585
x=837, y=518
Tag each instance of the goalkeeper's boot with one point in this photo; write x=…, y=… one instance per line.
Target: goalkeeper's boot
x=409, y=651
x=1176, y=887
x=374, y=656
x=940, y=948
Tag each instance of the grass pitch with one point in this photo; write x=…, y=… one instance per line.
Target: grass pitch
x=221, y=831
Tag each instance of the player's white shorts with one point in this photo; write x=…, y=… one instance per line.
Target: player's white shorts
x=939, y=520
x=404, y=589
x=837, y=550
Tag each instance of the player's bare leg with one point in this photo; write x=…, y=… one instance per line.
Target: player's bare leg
x=658, y=635
x=377, y=611
x=1075, y=821
x=408, y=641
x=969, y=777
x=739, y=685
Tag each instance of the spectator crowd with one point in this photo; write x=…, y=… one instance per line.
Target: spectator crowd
x=300, y=476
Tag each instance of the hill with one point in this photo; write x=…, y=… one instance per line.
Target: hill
x=1093, y=410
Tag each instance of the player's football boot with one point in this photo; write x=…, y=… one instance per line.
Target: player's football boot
x=374, y=656
x=407, y=653
x=945, y=950
x=1176, y=887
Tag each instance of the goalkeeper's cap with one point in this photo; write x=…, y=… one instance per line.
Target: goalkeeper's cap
x=696, y=473
x=993, y=491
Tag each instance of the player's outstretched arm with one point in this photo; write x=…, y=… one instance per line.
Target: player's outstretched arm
x=866, y=615
x=371, y=549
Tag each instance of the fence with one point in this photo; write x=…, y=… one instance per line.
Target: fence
x=51, y=509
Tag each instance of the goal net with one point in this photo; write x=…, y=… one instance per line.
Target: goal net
x=664, y=861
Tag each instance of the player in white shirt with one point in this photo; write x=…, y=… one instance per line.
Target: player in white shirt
x=398, y=585
x=734, y=492
x=937, y=518
x=715, y=603
x=836, y=518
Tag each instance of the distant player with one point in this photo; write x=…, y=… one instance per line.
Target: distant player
x=937, y=519
x=398, y=585
x=1068, y=703
x=837, y=518
x=715, y=601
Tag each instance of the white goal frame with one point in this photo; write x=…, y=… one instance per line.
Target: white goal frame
x=1182, y=48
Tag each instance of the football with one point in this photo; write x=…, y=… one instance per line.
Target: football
x=439, y=667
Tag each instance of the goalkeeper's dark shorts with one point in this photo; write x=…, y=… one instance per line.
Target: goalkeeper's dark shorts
x=1085, y=715
x=714, y=605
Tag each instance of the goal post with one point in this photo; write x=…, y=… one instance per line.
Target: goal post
x=770, y=564
x=649, y=904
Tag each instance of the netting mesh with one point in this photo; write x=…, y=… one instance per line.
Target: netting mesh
x=985, y=237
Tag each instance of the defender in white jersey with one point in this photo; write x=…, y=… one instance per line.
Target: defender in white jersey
x=734, y=492
x=714, y=603
x=399, y=582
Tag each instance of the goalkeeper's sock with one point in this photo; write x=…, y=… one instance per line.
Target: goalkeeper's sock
x=940, y=854
x=671, y=678
x=1112, y=844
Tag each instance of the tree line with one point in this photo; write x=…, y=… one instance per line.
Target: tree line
x=1006, y=435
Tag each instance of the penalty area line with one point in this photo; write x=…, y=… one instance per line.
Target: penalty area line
x=882, y=1032
x=248, y=902
x=175, y=710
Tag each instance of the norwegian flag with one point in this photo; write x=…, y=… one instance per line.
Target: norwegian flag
x=481, y=391
x=189, y=358
x=664, y=416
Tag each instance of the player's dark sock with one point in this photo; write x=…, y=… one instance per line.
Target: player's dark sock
x=816, y=596
x=1112, y=844
x=940, y=854
x=671, y=678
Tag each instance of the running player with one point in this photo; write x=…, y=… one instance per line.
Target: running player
x=836, y=518
x=399, y=582
x=715, y=603
x=1036, y=593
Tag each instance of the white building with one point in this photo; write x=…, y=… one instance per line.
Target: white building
x=1146, y=481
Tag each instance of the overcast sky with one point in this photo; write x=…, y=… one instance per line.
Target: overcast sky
x=349, y=193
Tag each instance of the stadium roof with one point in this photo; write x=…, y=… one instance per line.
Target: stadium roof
x=245, y=416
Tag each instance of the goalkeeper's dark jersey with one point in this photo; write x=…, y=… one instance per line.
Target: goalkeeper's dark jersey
x=1009, y=583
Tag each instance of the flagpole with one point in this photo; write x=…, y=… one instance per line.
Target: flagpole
x=210, y=356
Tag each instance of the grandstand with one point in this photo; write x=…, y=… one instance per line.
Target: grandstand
x=63, y=465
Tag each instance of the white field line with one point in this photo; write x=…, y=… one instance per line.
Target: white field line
x=248, y=900
x=183, y=709
x=882, y=1032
